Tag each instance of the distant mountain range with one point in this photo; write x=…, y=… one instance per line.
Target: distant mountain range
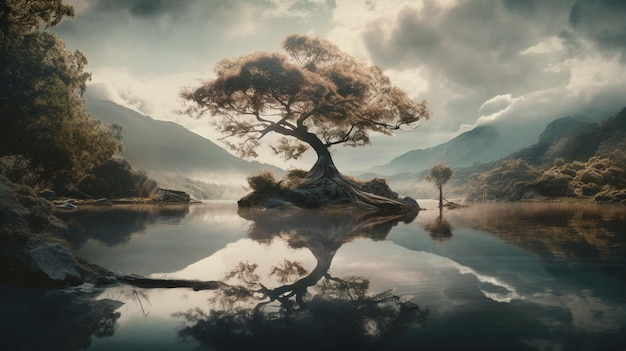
x=480, y=150
x=482, y=144
x=177, y=157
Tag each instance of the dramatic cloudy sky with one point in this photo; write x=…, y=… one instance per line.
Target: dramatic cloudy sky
x=474, y=61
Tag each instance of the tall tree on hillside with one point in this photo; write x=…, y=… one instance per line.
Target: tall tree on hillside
x=42, y=113
x=315, y=96
x=439, y=174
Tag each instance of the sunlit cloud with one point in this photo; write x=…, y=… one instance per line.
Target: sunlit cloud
x=548, y=46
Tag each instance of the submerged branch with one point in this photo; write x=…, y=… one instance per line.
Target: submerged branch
x=150, y=283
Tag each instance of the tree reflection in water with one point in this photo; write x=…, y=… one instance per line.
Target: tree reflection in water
x=439, y=230
x=309, y=310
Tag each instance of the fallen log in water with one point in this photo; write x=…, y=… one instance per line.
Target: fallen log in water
x=150, y=283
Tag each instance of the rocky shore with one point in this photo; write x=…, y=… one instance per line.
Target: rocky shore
x=33, y=252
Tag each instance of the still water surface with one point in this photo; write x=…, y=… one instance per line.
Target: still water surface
x=486, y=277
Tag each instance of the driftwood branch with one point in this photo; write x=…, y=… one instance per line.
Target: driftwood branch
x=149, y=283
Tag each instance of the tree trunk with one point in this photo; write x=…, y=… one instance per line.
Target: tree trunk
x=324, y=174
x=324, y=255
x=440, y=196
x=324, y=167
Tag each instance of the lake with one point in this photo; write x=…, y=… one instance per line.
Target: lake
x=519, y=276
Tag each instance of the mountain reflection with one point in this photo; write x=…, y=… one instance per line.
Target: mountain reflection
x=307, y=309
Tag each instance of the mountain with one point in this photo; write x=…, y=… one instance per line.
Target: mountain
x=482, y=144
x=576, y=140
x=481, y=150
x=550, y=140
x=176, y=157
x=571, y=159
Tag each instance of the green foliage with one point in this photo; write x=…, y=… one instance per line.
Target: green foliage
x=43, y=117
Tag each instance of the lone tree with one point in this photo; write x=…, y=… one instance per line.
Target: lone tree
x=439, y=174
x=315, y=96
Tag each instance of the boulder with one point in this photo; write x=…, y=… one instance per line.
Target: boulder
x=28, y=254
x=411, y=202
x=47, y=194
x=53, y=262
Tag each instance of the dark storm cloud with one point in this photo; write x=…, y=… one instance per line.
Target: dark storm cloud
x=143, y=8
x=156, y=9
x=151, y=9
x=475, y=43
x=602, y=21
x=474, y=48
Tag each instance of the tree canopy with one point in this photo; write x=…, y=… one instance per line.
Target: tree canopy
x=315, y=96
x=42, y=111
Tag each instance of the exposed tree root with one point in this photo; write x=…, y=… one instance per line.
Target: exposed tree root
x=324, y=186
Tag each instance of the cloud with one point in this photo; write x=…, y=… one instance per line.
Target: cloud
x=601, y=22
x=496, y=104
x=477, y=50
x=474, y=61
x=549, y=46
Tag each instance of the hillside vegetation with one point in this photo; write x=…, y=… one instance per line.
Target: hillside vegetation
x=572, y=159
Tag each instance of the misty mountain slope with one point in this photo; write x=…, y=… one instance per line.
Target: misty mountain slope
x=571, y=159
x=550, y=140
x=169, y=153
x=481, y=144
x=592, y=140
x=566, y=137
x=575, y=140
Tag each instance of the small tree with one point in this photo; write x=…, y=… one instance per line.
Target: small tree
x=439, y=174
x=315, y=96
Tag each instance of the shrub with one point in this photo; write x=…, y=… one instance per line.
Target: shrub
x=590, y=176
x=263, y=182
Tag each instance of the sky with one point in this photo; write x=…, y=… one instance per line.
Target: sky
x=473, y=61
